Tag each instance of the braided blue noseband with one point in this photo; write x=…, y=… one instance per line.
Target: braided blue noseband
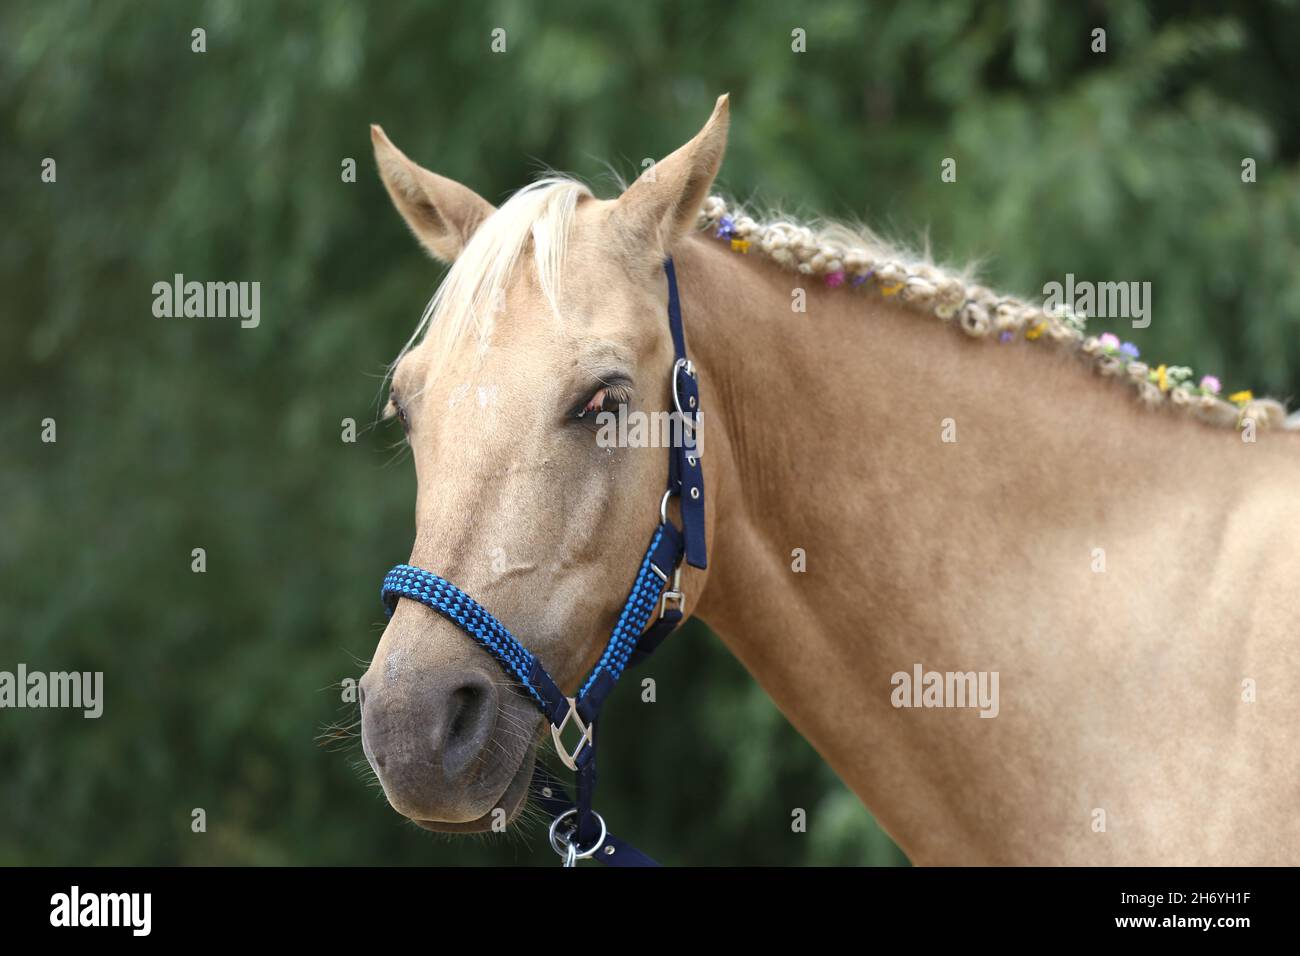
x=578, y=832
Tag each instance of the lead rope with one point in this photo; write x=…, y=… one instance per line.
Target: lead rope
x=577, y=831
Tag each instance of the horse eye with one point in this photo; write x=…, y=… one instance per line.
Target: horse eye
x=596, y=403
x=399, y=411
x=606, y=398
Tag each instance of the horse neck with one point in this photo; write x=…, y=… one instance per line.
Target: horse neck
x=824, y=436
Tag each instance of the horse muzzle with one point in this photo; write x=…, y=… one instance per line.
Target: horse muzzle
x=451, y=744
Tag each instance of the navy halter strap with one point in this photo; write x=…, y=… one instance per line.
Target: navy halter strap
x=652, y=611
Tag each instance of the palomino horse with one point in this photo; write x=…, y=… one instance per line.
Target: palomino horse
x=890, y=499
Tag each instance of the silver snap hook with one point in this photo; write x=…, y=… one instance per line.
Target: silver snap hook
x=565, y=844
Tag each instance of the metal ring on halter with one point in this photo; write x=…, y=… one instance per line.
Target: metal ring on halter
x=567, y=848
x=663, y=506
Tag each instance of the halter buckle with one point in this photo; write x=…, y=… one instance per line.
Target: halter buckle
x=684, y=365
x=570, y=757
x=674, y=593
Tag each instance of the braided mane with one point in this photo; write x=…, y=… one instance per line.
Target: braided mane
x=842, y=256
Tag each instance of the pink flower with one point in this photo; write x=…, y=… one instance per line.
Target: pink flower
x=835, y=278
x=1211, y=384
x=1109, y=341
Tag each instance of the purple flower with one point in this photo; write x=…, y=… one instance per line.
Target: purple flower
x=726, y=228
x=1005, y=337
x=1128, y=350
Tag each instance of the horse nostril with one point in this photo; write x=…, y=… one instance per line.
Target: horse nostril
x=470, y=709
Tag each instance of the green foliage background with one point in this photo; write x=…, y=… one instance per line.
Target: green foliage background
x=175, y=434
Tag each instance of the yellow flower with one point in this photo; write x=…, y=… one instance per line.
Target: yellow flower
x=1241, y=398
x=740, y=245
x=1162, y=378
x=1036, y=332
x=890, y=289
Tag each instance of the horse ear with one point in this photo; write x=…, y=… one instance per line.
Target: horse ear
x=441, y=212
x=664, y=203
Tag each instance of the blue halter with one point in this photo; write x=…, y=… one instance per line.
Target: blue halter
x=578, y=832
